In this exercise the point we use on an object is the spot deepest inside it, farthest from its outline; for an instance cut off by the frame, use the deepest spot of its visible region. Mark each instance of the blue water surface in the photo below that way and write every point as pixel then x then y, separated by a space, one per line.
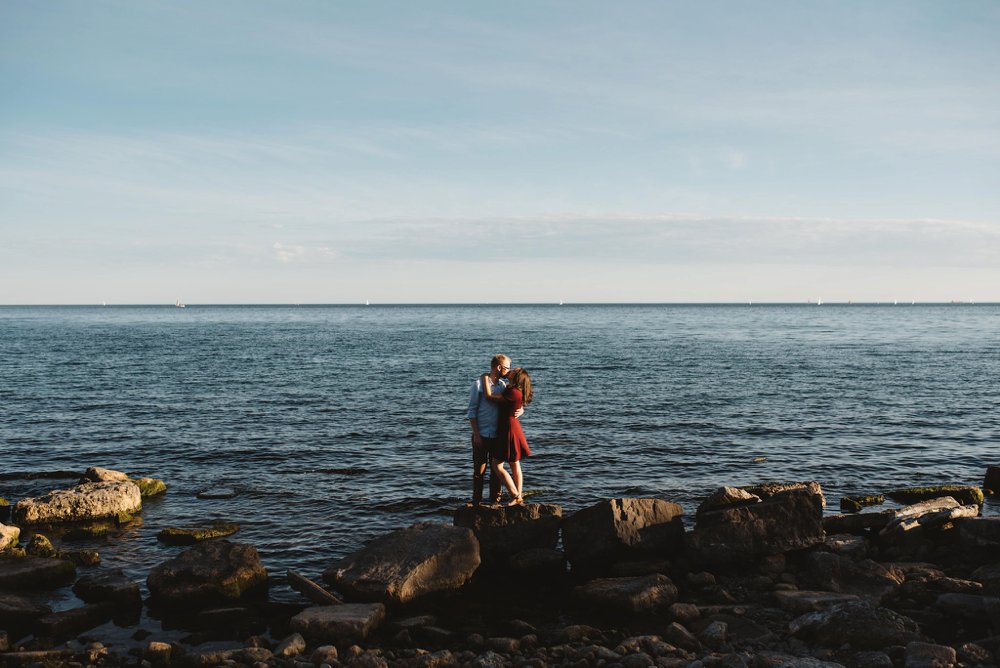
pixel 336 424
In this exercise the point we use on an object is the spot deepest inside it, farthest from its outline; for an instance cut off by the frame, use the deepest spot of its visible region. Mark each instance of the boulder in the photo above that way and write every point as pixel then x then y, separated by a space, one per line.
pixel 109 585
pixel 208 573
pixel 9 536
pixel 970 606
pixel 724 497
pixel 927 655
pixel 630 595
pixel 800 602
pixel 989 577
pixel 979 531
pixel 767 490
pixel 622 529
pixel 859 623
pixel 789 520
pixel 335 624
pixel 837 573
pixel 991 483
pixel 911 522
pixel 68 623
pixel 858 523
pixel 40 546
pixel 98 474
pixel 35 573
pixel 846 544
pixel 17 611
pixel 503 531
pixel 88 501
pixel 538 562
pixel 408 563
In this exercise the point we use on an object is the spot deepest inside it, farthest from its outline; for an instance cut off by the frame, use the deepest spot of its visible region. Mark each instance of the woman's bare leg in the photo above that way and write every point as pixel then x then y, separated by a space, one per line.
pixel 501 473
pixel 515 471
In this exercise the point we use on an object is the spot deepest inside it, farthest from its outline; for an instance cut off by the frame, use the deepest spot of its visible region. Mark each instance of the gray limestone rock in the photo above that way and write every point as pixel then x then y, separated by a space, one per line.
pixel 408 563
pixel 724 497
pixel 35 573
pixel 859 623
pixel 801 602
pixel 979 531
pixel 98 474
pixel 9 536
pixel 837 573
pixel 338 623
pixel 637 594
pixel 927 655
pixel 88 501
pixel 621 529
pixel 785 521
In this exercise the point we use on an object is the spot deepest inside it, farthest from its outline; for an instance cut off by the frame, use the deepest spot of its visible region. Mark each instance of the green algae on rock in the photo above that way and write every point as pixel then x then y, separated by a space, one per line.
pixel 854 504
pixel 965 495
pixel 191 535
pixel 150 486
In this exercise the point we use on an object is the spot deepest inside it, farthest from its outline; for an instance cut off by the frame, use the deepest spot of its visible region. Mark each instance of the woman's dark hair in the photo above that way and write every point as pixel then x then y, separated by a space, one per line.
pixel 520 379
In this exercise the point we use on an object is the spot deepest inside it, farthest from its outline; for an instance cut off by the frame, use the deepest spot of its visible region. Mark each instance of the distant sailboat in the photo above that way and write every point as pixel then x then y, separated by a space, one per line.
pixel 178 304
pixel 367 303
pixel 819 302
pixel 560 302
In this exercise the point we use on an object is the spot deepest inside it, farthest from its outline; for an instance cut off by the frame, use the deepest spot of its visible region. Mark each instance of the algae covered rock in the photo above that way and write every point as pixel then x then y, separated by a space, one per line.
pixel 965 495
pixel 150 486
pixel 854 504
pixel 192 535
pixel 212 572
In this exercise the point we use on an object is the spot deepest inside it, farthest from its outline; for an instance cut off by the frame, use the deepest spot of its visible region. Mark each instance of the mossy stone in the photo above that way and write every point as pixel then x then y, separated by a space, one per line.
pixel 966 495
pixel 4 502
pixel 82 557
pixel 88 531
pixel 854 504
pixel 150 486
pixel 191 535
pixel 40 546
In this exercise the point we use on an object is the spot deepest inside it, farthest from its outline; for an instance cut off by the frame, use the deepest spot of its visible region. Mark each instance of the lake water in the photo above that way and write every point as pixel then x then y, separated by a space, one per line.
pixel 336 424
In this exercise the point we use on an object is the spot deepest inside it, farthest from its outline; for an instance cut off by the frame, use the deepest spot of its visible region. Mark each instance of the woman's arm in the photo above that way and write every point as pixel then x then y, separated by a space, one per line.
pixel 488 389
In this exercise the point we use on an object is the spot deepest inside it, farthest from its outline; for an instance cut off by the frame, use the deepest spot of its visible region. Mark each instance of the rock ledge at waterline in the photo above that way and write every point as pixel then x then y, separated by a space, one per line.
pixel 762 579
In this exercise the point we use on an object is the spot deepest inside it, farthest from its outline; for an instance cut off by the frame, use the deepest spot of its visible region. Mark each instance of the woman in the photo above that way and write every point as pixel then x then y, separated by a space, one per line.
pixel 511 445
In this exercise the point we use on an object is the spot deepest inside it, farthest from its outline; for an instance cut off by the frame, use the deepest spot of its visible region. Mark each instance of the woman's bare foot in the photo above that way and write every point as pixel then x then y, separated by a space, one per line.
pixel 517 501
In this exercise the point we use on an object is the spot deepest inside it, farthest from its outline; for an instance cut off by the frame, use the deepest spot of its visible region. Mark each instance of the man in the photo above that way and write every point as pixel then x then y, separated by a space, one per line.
pixel 483 417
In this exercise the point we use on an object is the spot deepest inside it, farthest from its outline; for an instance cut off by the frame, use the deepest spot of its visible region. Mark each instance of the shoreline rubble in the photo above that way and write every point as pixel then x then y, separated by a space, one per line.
pixel 761 580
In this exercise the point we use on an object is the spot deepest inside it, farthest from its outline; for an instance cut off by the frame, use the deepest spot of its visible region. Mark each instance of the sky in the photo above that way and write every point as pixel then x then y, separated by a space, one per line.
pixel 485 152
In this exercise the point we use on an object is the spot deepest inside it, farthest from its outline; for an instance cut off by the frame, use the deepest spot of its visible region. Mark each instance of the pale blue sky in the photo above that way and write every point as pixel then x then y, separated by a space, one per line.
pixel 334 152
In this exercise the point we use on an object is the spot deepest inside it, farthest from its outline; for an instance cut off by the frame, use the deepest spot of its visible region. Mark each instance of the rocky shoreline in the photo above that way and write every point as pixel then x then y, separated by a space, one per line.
pixel 762 579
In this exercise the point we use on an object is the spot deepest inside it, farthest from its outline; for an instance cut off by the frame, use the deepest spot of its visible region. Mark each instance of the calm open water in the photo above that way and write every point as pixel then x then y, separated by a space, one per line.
pixel 339 423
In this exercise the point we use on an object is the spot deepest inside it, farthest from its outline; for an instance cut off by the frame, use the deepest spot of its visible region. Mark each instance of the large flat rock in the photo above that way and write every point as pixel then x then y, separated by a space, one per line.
pixel 789 520
pixel 408 563
pixel 88 501
pixel 333 624
pixel 503 531
pixel 631 595
pixel 35 573
pixel 9 536
pixel 622 529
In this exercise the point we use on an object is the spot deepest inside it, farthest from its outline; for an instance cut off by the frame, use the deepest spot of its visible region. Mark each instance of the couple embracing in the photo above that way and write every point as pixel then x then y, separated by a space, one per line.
pixel 497 401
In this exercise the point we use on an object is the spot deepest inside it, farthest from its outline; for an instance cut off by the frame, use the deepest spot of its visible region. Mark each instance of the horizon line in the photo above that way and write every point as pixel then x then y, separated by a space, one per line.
pixel 907 302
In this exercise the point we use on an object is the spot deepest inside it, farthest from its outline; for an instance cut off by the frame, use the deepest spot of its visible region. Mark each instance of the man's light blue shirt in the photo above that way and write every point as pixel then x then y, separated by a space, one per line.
pixel 484 411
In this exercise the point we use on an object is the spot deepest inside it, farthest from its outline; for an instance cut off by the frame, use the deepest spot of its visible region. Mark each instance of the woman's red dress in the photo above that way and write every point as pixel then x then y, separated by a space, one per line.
pixel 511 443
